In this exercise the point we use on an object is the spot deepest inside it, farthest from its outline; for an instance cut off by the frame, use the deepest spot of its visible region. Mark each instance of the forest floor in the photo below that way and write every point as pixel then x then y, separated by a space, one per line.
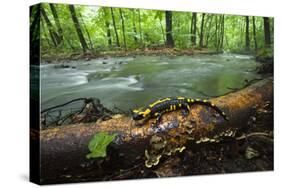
pixel 64 56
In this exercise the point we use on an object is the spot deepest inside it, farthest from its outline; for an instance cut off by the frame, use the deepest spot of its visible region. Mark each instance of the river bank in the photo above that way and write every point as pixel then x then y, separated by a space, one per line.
pixel 64 56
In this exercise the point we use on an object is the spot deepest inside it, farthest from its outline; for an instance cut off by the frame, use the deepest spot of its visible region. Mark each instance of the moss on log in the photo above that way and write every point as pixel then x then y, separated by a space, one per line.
pixel 64 149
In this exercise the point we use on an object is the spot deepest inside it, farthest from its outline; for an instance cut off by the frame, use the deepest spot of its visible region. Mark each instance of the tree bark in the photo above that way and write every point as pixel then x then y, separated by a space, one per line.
pixel 169 29
pixel 247 35
pixel 193 28
pixel 63 149
pixel 254 34
pixel 86 29
pixel 123 28
pixel 266 26
pixel 57 21
pixel 134 27
pixel 140 27
pixel 115 29
pixel 107 26
pixel 54 36
pixel 202 31
pixel 209 30
pixel 78 28
pixel 45 34
pixel 220 33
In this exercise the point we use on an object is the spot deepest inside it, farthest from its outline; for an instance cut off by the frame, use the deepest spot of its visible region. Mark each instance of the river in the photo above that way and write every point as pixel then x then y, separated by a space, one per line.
pixel 129 82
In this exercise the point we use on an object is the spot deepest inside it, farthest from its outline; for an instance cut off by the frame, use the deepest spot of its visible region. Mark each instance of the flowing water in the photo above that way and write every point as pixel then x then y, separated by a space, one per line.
pixel 130 82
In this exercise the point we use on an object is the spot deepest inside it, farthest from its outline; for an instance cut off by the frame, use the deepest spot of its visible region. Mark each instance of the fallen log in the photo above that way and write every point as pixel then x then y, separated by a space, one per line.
pixel 63 149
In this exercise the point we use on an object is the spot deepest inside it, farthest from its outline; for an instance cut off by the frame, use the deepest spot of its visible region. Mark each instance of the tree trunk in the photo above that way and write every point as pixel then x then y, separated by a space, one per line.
pixel 220 36
pixel 202 31
pixel 193 28
pixel 123 28
pixel 78 28
pixel 209 30
pixel 134 27
pixel 247 35
pixel 52 32
pixel 266 26
pixel 140 26
pixel 86 29
pixel 57 21
pixel 115 29
pixel 254 33
pixel 216 33
pixel 162 30
pixel 107 26
pixel 108 33
pixel 63 149
pixel 45 34
pixel 169 31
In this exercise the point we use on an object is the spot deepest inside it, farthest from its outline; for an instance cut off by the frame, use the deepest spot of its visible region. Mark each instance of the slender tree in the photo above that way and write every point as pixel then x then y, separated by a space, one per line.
pixel 266 26
pixel 193 28
pixel 107 26
pixel 140 29
pixel 169 35
pixel 247 35
pixel 78 28
pixel 134 26
pixel 222 33
pixel 114 27
pixel 45 34
pixel 208 30
pixel 254 33
pixel 123 28
pixel 86 29
pixel 202 31
pixel 53 34
pixel 57 22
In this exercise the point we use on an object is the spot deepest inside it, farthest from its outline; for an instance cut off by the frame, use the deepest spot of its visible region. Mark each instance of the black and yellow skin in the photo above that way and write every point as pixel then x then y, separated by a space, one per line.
pixel 159 107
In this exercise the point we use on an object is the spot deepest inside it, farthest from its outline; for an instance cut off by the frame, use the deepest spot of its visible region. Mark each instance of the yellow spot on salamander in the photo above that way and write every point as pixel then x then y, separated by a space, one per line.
pixel 188 100
pixel 175 107
pixel 212 104
pixel 191 100
pixel 181 98
pixel 135 111
pixel 171 107
pixel 198 100
pixel 205 101
pixel 159 101
pixel 180 105
pixel 146 112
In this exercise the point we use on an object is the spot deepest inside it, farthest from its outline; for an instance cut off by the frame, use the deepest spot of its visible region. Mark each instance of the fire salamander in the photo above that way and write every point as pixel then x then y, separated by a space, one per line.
pixel 159 107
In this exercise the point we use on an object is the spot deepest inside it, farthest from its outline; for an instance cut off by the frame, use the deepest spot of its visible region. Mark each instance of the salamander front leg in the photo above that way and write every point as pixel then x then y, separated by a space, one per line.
pixel 185 111
pixel 157 120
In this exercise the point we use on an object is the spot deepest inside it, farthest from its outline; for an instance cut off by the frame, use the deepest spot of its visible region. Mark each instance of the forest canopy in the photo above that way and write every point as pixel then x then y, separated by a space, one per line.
pixel 90 29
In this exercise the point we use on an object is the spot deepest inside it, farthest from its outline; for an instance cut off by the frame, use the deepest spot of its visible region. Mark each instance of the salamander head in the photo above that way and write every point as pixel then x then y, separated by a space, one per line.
pixel 140 114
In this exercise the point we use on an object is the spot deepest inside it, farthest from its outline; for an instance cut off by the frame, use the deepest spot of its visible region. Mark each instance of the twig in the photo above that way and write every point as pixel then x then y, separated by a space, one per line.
pixel 53 107
pixel 245 136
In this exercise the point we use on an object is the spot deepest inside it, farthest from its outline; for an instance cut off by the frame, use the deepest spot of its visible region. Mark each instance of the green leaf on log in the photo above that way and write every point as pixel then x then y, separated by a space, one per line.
pixel 99 143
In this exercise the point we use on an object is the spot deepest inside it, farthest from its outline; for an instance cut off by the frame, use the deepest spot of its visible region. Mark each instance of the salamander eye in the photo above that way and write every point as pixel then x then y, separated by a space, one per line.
pixel 137 116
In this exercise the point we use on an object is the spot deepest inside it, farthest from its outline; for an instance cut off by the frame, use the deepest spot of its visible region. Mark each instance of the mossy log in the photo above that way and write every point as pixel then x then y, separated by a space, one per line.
pixel 64 149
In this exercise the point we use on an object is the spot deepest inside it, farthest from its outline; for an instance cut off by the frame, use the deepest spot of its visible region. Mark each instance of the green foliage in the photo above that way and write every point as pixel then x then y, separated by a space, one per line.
pixel 98 144
pixel 265 55
pixel 146 28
